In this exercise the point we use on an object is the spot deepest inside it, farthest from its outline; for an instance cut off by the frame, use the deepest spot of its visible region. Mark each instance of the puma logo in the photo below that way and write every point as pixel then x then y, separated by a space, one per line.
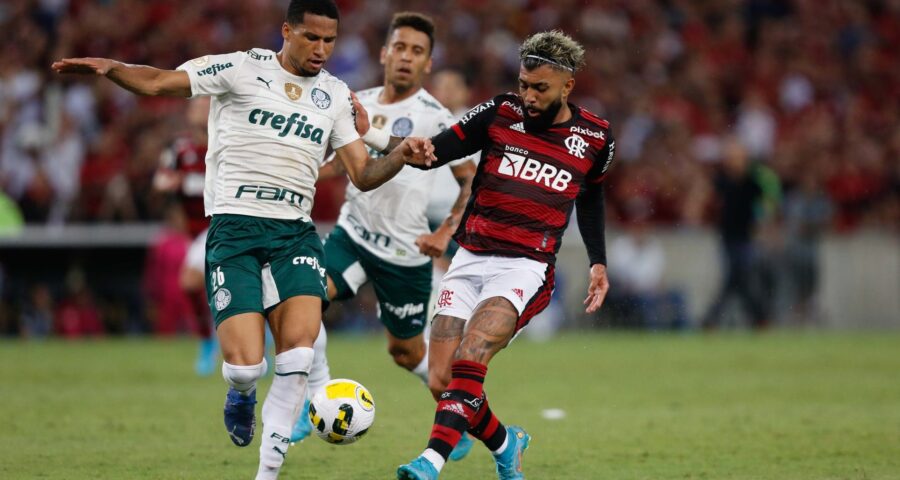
pixel 266 82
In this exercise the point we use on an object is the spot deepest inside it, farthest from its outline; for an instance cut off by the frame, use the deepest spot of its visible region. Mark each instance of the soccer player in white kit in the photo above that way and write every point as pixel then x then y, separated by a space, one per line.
pixel 272 117
pixel 383 236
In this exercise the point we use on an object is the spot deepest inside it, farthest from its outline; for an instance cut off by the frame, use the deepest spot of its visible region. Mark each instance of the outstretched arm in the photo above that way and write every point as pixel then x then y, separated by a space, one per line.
pixel 435 244
pixel 589 208
pixel 367 173
pixel 139 79
pixel 380 140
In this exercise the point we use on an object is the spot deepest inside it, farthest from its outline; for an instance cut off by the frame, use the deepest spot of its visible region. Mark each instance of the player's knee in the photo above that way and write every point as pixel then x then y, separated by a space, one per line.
pixel 243 377
pixel 406 357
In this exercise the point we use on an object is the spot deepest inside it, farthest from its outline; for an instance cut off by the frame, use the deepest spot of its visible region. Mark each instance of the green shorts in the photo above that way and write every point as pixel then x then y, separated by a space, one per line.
pixel 403 292
pixel 254 263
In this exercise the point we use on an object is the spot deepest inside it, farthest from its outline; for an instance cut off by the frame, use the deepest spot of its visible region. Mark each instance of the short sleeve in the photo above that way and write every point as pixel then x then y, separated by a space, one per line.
pixel 213 74
pixel 445 120
pixel 344 130
pixel 466 137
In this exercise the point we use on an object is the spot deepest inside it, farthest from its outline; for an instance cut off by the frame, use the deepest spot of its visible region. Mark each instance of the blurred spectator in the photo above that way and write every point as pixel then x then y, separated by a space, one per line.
pixel 807 212
pixel 77 314
pixel 740 195
pixel 169 307
pixel 673 75
pixel 637 263
pixel 37 314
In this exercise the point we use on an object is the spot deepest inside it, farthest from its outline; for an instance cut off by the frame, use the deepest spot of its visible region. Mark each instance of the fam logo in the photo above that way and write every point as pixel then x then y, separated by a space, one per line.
pixel 524 168
pixel 293 91
pixel 284 125
pixel 321 98
pixel 270 194
pixel 258 56
pixel 402 127
pixel 576 145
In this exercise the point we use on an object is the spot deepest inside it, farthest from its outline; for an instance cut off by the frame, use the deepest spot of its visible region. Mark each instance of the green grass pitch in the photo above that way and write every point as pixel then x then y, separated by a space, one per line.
pixel 771 406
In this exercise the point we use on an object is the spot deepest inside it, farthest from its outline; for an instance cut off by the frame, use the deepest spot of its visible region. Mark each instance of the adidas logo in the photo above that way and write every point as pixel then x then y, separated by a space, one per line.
pixel 519 127
pixel 454 407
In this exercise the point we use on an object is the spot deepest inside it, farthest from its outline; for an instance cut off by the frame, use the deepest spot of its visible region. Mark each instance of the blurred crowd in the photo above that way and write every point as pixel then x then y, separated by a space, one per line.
pixel 809 87
pixel 805 93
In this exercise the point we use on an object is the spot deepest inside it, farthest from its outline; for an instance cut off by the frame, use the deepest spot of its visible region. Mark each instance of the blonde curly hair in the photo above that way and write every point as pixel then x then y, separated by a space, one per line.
pixel 553 48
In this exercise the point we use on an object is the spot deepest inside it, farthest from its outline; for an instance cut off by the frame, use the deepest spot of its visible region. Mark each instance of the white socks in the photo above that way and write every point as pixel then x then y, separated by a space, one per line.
pixel 281 408
pixel 421 370
pixel 320 374
pixel 435 458
pixel 243 377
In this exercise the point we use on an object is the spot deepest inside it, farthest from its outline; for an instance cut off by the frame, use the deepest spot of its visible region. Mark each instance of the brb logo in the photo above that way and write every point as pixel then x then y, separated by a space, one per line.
pixel 519 166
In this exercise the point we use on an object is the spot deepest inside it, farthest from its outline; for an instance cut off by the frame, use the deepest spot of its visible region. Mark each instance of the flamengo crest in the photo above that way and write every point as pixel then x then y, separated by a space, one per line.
pixel 576 145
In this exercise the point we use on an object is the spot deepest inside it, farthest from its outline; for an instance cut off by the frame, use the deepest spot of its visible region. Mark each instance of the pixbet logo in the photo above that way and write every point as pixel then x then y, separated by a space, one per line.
pixel 518 166
pixel 587 132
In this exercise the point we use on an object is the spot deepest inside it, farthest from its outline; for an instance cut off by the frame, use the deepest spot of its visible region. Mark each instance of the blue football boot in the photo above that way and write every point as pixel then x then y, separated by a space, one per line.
pixel 418 469
pixel 206 357
pixel 303 427
pixel 509 463
pixel 240 416
pixel 462 448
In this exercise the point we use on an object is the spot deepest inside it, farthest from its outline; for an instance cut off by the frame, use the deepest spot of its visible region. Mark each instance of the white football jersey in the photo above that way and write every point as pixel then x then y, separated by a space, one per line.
pixel 268 132
pixel 387 220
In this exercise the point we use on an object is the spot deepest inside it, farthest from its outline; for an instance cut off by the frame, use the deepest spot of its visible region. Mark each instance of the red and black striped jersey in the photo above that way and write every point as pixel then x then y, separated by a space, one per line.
pixel 527 181
pixel 188 159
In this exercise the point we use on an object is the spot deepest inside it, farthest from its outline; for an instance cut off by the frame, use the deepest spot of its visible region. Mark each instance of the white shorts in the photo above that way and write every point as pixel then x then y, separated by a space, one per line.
pixel 196 254
pixel 473 278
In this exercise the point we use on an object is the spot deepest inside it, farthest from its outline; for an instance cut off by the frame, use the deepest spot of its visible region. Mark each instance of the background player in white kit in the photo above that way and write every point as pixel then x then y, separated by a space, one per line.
pixel 383 236
pixel 272 117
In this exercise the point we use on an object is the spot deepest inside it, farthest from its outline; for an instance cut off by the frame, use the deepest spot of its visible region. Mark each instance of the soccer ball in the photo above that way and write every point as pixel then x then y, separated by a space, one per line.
pixel 342 412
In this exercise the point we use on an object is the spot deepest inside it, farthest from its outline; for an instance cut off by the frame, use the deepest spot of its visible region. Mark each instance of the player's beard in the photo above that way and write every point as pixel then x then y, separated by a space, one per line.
pixel 545 119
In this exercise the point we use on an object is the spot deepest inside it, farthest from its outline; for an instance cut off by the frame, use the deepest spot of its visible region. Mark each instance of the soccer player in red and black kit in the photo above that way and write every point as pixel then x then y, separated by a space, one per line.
pixel 182 173
pixel 540 157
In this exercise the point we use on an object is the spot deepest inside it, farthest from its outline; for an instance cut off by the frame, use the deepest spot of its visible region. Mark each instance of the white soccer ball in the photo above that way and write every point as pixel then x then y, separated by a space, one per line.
pixel 342 412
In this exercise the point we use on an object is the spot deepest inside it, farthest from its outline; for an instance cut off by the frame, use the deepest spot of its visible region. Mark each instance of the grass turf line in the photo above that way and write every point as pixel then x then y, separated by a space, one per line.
pixel 779 405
